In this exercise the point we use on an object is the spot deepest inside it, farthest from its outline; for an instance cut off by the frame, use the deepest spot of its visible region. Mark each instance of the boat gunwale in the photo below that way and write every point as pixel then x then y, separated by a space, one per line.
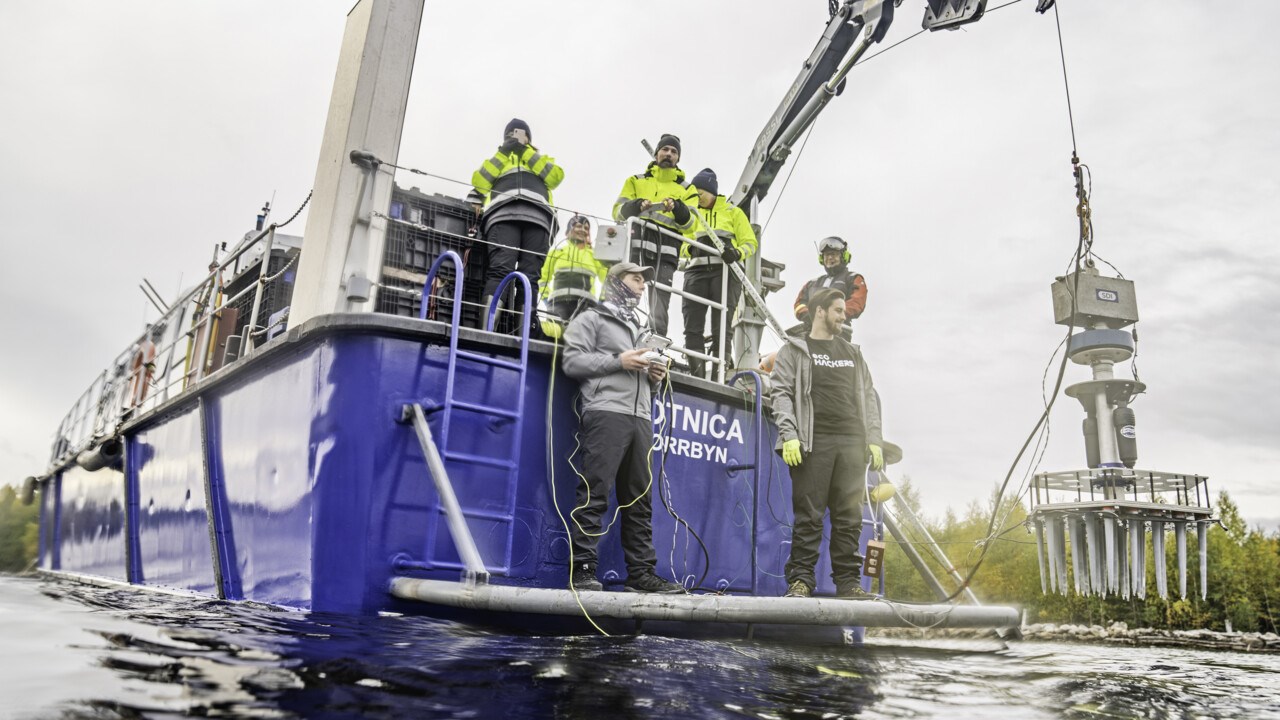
pixel 367 323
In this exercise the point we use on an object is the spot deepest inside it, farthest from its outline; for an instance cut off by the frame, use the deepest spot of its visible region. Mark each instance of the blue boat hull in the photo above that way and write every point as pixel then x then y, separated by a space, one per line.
pixel 288 479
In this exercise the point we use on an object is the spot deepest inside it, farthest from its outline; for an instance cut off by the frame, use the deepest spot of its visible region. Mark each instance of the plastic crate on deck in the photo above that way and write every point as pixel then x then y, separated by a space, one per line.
pixel 439 224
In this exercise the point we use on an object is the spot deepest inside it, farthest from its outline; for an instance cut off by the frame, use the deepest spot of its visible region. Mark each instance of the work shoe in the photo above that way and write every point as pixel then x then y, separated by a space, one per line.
pixel 799 588
pixel 583 578
pixel 650 583
pixel 853 592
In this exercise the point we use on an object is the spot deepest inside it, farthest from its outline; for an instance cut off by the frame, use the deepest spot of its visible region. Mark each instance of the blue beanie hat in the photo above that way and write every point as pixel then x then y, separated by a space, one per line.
pixel 517 123
pixel 706 180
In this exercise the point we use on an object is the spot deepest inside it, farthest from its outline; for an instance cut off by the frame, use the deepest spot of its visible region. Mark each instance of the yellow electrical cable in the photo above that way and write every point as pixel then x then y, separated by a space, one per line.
pixel 551 386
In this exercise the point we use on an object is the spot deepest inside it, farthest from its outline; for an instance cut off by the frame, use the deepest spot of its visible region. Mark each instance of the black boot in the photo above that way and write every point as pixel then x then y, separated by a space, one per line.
pixel 499 314
pixel 582 577
pixel 697 366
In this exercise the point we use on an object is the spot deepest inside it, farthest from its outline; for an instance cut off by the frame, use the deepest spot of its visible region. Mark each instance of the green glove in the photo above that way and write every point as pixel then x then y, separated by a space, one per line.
pixel 877 457
pixel 791 452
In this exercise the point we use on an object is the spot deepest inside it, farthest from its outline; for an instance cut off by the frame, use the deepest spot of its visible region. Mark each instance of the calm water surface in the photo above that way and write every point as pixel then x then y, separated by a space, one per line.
pixel 75 651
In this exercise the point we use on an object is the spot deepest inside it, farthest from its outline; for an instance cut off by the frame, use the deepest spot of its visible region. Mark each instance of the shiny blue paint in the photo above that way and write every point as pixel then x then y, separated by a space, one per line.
pixel 91 522
pixel 166 464
pixel 226 569
pixel 133 552
pixel 270 441
pixel 314 488
pixel 48 512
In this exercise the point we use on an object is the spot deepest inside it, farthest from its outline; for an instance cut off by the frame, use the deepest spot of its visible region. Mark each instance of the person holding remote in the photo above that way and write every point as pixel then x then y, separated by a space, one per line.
pixel 603 352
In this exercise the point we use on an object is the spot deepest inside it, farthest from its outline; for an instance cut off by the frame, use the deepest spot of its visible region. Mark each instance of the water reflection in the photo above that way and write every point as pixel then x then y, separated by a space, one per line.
pixel 82 651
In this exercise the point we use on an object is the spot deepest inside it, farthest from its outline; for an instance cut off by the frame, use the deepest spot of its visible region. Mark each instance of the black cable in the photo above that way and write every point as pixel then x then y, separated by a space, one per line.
pixel 665 485
pixel 869 58
pixel 1062 53
pixel 1044 416
pixel 298 211
pixel 782 191
pixel 988 11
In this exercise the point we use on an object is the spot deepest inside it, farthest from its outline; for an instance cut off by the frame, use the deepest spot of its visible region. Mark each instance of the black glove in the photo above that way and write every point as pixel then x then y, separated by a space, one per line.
pixel 680 212
pixel 730 253
pixel 631 208
pixel 512 145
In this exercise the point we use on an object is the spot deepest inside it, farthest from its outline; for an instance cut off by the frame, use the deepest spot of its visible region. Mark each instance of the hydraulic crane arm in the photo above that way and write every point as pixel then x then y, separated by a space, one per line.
pixel 855 27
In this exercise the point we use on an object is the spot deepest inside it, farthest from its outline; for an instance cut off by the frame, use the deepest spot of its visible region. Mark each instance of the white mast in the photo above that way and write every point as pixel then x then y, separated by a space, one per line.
pixel 343 245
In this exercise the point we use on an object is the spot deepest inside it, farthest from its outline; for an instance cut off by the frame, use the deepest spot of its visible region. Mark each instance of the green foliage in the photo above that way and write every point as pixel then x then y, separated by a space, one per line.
pixel 19 531
pixel 1243 579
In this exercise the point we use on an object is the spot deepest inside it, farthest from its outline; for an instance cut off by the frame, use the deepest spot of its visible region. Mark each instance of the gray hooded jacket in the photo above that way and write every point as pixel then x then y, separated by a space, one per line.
pixel 592 343
pixel 793 404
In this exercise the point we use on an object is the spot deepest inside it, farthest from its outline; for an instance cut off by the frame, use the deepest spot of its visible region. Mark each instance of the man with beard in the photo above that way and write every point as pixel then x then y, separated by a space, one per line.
pixel 657 196
pixel 616 382
pixel 828 417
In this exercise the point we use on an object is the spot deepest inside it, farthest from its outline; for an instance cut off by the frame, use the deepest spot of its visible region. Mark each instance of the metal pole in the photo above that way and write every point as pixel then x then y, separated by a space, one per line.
pixel 458 529
pixel 722 343
pixel 247 343
pixel 910 551
pixel 935 550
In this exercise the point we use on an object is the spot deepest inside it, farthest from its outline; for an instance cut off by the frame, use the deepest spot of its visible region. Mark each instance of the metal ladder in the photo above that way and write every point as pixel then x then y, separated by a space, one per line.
pixel 441 456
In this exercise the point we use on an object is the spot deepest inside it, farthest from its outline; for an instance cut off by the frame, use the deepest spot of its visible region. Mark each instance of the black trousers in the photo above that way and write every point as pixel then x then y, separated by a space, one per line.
pixel 832 477
pixel 505 255
pixel 664 264
pixel 615 456
pixel 704 281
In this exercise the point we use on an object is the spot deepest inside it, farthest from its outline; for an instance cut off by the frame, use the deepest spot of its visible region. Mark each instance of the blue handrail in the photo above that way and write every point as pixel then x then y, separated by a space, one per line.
pixel 457 285
pixel 525 319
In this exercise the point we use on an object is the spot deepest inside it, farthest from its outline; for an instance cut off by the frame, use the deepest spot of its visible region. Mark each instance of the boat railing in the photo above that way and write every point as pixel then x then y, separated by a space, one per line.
pixel 719 362
pixel 147 373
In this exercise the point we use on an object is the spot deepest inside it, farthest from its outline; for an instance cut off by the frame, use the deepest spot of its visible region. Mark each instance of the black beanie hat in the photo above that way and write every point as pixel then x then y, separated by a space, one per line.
pixel 706 180
pixel 668 139
pixel 517 123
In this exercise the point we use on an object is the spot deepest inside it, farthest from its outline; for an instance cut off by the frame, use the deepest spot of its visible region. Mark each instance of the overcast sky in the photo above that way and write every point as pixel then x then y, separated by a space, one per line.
pixel 138 134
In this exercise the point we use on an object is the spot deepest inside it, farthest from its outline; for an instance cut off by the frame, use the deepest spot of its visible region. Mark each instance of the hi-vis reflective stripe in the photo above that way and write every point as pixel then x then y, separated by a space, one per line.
pixel 534 160
pixel 652 247
pixel 655 213
pixel 704 260
pixel 724 235
pixel 545 171
pixel 500 197
pixel 484 172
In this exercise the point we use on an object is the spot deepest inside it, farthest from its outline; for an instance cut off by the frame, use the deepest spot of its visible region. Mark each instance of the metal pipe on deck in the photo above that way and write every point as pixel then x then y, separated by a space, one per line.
pixel 702 608
pixel 459 532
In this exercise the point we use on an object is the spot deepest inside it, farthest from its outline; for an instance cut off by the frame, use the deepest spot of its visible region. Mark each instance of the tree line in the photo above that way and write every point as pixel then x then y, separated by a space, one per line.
pixel 19 531
pixel 1243 572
